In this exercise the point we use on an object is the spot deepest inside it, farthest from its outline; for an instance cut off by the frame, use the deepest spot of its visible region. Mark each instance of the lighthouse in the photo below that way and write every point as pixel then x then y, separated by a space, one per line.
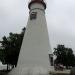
pixel 33 58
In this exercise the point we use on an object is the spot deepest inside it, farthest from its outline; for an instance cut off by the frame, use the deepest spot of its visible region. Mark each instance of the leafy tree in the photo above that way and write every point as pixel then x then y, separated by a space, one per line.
pixel 64 56
pixel 11 47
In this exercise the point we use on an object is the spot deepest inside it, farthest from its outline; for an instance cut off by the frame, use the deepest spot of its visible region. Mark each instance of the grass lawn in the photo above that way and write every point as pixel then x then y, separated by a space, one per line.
pixel 65 72
pixel 3 72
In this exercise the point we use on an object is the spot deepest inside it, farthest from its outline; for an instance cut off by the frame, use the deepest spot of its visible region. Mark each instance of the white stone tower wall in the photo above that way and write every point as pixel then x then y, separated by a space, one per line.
pixel 33 58
pixel 35 46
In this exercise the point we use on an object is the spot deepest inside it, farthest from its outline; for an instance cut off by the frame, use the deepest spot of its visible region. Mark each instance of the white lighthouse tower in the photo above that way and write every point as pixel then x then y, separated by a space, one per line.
pixel 33 57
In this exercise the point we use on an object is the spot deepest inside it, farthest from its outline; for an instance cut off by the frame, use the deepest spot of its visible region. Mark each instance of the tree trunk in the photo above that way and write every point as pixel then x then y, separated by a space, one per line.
pixel 7 67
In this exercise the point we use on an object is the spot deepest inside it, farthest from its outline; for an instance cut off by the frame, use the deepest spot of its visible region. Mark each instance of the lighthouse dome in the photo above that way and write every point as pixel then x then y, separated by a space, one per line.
pixel 37 1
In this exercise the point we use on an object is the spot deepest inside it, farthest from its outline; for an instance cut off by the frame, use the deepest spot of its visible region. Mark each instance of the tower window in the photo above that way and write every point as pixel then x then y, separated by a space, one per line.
pixel 33 15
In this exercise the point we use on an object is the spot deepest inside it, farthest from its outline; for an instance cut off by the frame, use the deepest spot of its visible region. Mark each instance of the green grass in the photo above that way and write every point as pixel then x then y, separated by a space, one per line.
pixel 3 72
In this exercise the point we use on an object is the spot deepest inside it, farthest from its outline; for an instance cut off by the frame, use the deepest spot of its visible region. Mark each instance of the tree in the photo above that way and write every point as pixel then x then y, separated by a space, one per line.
pixel 64 56
pixel 11 47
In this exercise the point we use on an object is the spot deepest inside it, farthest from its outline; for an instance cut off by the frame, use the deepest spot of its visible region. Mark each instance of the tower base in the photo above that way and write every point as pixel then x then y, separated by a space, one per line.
pixel 29 71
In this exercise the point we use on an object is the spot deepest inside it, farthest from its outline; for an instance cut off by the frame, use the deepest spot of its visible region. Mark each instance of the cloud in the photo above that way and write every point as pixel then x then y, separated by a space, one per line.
pixel 61 22
pixel 60 15
pixel 13 16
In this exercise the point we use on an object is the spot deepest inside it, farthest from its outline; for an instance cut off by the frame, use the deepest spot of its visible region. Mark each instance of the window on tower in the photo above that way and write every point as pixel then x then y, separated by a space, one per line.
pixel 33 15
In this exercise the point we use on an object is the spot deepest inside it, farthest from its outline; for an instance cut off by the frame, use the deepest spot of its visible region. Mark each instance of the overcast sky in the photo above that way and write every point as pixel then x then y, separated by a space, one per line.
pixel 60 15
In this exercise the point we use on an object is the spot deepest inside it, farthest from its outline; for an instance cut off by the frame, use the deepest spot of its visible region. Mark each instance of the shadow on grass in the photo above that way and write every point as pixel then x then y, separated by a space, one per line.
pixel 4 72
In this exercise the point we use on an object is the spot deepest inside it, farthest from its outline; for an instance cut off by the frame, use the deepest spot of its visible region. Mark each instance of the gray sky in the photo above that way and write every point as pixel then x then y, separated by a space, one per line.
pixel 60 15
